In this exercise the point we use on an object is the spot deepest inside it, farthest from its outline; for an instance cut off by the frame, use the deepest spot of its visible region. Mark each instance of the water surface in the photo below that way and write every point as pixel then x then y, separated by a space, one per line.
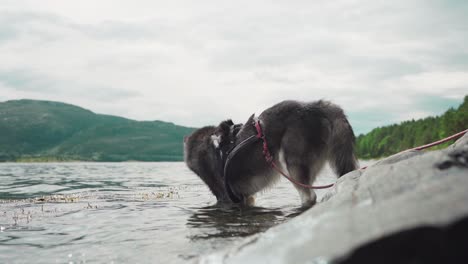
pixel 124 213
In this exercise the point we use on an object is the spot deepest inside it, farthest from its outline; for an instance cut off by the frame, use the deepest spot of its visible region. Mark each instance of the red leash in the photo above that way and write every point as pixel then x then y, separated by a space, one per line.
pixel 457 135
pixel 269 157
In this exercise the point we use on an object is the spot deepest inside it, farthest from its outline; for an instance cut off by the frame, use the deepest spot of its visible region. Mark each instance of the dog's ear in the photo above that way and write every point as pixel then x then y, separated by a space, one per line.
pixel 222 133
pixel 229 122
pixel 224 129
pixel 225 126
pixel 236 128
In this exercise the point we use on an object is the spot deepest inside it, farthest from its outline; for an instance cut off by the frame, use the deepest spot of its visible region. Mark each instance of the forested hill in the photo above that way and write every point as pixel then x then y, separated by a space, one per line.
pixel 388 140
pixel 43 130
pixel 32 130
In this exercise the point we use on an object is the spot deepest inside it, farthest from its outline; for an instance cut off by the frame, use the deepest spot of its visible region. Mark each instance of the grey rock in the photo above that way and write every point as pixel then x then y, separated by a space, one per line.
pixel 404 191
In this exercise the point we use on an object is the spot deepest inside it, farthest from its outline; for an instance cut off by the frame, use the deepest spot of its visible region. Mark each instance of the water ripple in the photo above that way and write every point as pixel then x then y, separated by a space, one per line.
pixel 123 212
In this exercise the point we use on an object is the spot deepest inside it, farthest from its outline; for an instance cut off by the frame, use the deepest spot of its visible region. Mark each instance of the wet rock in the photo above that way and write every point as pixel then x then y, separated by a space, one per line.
pixel 403 209
pixel 425 244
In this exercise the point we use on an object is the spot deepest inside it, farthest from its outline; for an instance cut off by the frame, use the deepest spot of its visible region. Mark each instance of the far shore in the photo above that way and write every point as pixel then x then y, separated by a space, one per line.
pixel 41 160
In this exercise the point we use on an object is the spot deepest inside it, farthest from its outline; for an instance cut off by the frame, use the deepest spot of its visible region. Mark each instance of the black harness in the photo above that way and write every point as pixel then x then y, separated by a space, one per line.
pixel 230 154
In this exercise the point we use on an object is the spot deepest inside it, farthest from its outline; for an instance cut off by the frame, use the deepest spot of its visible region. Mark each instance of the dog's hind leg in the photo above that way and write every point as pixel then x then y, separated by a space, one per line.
pixel 301 173
pixel 306 174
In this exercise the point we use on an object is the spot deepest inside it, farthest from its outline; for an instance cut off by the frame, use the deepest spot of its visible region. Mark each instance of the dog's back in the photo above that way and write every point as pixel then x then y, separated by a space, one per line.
pixel 311 131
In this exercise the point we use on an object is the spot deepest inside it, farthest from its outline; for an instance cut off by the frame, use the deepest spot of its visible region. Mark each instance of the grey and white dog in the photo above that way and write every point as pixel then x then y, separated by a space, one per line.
pixel 301 138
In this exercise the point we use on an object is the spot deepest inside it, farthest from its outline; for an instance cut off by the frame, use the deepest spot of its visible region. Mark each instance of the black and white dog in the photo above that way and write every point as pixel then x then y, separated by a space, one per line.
pixel 301 138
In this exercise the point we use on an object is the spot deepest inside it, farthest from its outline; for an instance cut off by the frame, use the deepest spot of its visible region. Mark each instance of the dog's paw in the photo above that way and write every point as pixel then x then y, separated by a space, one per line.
pixel 250 201
pixel 308 204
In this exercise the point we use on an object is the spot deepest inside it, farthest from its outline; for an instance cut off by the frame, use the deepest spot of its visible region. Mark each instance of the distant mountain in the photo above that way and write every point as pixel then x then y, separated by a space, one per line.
pixel 388 140
pixel 32 130
pixel 43 130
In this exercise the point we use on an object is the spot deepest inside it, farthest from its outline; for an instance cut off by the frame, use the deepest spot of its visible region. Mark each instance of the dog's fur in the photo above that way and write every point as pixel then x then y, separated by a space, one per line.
pixel 301 137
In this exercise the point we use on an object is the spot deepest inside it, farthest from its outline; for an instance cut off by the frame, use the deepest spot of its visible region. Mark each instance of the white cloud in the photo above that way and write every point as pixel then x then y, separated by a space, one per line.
pixel 198 62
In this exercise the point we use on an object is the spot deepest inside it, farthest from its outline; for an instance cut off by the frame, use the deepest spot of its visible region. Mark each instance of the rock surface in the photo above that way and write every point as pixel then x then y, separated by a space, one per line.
pixel 414 190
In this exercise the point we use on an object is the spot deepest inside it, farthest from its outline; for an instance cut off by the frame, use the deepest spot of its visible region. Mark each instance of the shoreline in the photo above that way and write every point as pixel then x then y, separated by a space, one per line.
pixel 89 161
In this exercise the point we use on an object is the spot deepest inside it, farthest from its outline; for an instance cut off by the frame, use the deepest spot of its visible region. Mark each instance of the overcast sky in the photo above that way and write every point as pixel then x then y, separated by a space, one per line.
pixel 198 62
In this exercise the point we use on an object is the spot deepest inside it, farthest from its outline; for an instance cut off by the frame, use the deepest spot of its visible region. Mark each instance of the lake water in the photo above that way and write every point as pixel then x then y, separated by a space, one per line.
pixel 125 213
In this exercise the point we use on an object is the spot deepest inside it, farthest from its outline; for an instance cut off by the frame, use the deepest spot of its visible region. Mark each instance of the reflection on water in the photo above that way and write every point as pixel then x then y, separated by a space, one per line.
pixel 225 221
pixel 124 212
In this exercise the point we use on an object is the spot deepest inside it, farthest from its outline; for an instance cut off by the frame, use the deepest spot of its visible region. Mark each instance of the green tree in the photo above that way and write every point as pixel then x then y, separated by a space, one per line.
pixel 388 140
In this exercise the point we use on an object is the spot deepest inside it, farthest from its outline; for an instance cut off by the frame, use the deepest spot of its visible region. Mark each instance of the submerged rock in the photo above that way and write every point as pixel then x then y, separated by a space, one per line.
pixel 408 208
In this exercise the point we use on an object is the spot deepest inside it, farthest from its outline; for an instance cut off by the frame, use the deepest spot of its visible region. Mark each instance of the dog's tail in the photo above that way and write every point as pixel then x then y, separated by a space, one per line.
pixel 342 145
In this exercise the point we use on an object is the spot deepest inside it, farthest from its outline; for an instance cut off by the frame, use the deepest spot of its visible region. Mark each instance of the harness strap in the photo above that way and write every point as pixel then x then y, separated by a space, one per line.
pixel 236 149
pixel 232 195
